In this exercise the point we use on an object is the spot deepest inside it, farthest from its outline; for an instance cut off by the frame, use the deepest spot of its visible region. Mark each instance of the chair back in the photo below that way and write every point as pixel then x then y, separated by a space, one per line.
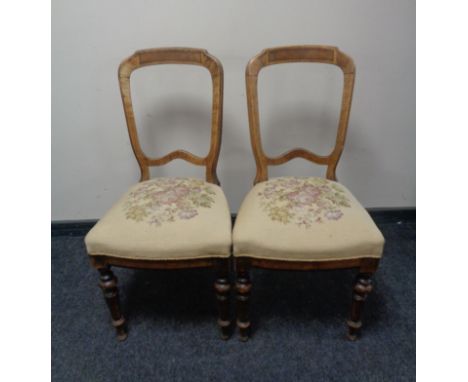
pixel 305 53
pixel 187 56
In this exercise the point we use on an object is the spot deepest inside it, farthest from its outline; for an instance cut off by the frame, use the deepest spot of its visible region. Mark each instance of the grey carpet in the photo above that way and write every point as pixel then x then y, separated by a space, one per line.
pixel 298 320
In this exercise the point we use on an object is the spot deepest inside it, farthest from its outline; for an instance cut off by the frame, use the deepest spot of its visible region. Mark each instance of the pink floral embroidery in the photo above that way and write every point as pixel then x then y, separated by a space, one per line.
pixel 303 201
pixel 334 215
pixel 167 199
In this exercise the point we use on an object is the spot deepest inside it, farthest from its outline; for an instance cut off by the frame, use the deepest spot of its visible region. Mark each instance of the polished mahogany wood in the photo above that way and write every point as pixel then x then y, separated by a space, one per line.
pixel 366 263
pixel 222 284
pixel 222 288
pixel 362 287
pixel 367 266
pixel 243 287
pixel 108 284
pixel 99 261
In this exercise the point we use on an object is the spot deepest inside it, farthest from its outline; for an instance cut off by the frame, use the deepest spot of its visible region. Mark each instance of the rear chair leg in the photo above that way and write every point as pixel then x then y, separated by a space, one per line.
pixel 243 286
pixel 222 288
pixel 108 284
pixel 362 287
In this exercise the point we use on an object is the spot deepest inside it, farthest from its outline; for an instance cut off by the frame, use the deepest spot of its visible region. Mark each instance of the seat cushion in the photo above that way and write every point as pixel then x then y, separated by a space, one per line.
pixel 165 219
pixel 304 219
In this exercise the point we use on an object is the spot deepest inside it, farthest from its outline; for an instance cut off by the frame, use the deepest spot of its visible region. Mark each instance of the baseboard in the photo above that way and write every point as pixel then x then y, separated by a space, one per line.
pixel 380 216
pixel 392 215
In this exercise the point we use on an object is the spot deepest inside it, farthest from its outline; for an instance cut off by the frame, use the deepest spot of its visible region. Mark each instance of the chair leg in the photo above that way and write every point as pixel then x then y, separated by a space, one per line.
pixel 243 286
pixel 362 287
pixel 108 284
pixel 222 288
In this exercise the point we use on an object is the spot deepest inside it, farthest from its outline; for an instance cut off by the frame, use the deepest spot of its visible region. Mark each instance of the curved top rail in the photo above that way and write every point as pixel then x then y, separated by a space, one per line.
pixel 300 53
pixel 158 56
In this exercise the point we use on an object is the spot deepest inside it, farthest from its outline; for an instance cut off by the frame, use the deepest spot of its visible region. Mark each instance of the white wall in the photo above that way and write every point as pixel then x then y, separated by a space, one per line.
pixel 92 161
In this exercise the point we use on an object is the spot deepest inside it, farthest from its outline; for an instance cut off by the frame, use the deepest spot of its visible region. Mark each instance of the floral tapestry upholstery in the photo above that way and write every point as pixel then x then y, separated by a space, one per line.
pixel 165 219
pixel 304 219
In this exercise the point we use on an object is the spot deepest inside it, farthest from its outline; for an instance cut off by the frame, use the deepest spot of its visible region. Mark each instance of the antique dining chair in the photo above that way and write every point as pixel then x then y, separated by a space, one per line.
pixel 167 223
pixel 309 223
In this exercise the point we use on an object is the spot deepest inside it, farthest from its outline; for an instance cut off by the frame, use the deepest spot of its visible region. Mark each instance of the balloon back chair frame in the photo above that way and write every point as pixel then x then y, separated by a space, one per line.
pixel 366 266
pixel 108 282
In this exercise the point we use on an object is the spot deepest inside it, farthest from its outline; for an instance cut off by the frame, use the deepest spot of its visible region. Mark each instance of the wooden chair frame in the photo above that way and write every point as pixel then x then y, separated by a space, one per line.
pixel 108 282
pixel 366 266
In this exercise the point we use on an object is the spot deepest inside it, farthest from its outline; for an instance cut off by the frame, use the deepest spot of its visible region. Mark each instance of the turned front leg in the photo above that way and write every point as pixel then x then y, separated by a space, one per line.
pixel 361 288
pixel 222 288
pixel 108 284
pixel 243 286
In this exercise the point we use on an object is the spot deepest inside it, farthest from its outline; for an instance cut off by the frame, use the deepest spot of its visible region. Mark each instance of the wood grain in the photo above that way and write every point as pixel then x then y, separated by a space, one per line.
pixel 361 288
pixel 100 261
pixel 222 288
pixel 368 264
pixel 108 284
pixel 306 53
pixel 187 56
pixel 243 287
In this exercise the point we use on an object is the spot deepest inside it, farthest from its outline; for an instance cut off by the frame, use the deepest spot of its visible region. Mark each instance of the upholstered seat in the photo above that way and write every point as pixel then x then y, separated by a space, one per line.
pixel 165 219
pixel 301 219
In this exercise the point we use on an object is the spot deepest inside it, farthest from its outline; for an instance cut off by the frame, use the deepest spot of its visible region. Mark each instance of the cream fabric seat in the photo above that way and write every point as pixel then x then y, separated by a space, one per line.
pixel 304 219
pixel 165 219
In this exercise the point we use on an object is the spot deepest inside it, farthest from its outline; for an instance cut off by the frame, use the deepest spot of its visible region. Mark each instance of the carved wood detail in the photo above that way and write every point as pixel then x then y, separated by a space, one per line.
pixel 108 284
pixel 362 287
pixel 243 287
pixel 222 288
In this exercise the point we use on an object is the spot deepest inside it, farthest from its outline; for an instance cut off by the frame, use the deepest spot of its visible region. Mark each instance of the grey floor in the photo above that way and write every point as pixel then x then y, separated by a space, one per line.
pixel 299 321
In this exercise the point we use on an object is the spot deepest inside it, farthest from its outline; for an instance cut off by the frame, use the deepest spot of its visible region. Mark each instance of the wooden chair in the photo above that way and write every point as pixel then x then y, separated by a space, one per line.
pixel 167 223
pixel 302 223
